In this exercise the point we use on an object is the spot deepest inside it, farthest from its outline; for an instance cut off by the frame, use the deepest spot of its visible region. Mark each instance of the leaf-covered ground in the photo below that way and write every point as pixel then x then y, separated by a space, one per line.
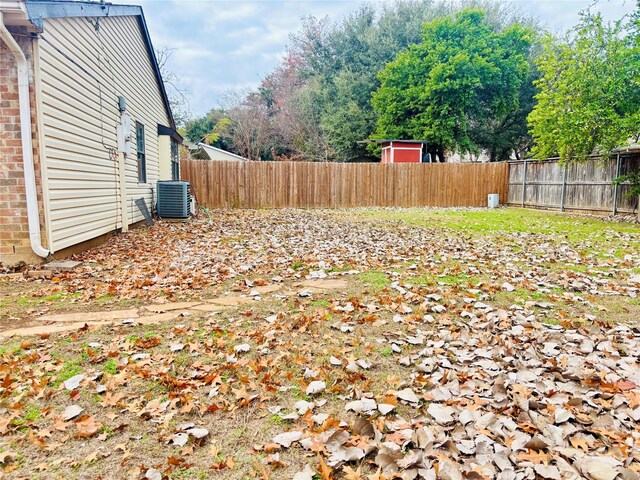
pixel 458 344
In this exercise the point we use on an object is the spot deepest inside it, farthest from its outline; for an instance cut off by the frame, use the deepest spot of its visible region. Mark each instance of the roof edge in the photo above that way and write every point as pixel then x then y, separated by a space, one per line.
pixel 40 10
pixel 374 140
pixel 205 146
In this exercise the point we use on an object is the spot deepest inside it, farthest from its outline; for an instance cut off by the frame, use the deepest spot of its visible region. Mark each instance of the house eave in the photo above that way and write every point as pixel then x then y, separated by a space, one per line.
pixel 171 132
pixel 40 10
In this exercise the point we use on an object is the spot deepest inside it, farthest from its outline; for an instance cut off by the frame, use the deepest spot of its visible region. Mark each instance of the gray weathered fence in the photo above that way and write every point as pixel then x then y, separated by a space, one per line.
pixel 586 186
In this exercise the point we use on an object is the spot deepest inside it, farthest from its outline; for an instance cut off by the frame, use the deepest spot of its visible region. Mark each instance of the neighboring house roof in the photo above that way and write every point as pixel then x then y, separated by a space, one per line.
pixel 207 152
pixel 40 10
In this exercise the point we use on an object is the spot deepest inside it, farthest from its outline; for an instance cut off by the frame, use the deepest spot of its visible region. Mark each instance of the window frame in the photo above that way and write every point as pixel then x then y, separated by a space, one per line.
pixel 175 159
pixel 141 152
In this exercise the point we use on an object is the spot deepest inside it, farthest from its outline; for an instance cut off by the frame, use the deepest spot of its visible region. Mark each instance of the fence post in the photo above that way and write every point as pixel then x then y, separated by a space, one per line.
pixel 615 186
pixel 564 186
pixel 524 181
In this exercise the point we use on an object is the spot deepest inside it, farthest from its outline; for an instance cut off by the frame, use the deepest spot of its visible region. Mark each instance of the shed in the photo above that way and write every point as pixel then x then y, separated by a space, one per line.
pixel 403 151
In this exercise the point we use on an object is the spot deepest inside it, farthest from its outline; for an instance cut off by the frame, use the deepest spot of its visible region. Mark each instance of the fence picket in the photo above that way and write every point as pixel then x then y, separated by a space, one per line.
pixel 338 185
pixel 586 186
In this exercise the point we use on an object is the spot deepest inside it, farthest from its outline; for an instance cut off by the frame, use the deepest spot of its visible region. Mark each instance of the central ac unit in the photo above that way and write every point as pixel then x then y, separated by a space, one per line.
pixel 174 199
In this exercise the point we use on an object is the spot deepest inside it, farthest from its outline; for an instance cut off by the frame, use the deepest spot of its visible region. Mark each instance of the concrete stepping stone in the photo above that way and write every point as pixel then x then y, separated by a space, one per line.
pixel 157 318
pixel 231 301
pixel 62 265
pixel 44 329
pixel 11 276
pixel 267 289
pixel 65 327
pixel 168 307
pixel 326 284
pixel 90 316
pixel 210 307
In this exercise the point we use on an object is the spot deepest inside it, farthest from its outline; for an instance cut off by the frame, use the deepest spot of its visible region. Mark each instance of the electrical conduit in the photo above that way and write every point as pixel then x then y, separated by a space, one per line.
pixel 27 148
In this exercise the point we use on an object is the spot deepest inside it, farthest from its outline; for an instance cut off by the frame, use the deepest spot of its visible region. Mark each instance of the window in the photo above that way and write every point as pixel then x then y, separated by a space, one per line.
pixel 175 160
pixel 142 159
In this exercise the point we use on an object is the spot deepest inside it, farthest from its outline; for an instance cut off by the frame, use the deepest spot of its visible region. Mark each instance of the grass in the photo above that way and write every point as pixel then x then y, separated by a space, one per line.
pixel 453 279
pixel 277 420
pixel 32 413
pixel 68 370
pixel 504 220
pixel 34 301
pixel 319 303
pixel 386 351
pixel 518 296
pixel 22 301
pixel 375 278
pixel 110 367
pixel 189 473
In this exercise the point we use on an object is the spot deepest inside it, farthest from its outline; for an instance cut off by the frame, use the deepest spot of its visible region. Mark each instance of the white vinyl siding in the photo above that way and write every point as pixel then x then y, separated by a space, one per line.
pixel 79 116
pixel 165 157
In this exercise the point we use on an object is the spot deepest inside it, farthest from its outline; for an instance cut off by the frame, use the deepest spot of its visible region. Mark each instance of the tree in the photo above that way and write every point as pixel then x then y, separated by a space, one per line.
pixel 589 99
pixel 198 128
pixel 212 128
pixel 466 76
pixel 282 94
pixel 178 97
pixel 341 62
pixel 506 135
pixel 318 100
pixel 250 129
pixel 219 130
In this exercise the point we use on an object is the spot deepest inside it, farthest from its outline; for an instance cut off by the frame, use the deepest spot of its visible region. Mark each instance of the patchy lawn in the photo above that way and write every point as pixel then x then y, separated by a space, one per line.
pixel 460 343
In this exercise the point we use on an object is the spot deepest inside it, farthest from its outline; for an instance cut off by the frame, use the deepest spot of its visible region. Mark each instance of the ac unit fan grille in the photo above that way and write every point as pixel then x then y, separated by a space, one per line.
pixel 174 199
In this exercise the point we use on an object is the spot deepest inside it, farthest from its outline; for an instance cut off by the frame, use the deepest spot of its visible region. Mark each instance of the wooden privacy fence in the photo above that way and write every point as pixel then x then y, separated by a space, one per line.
pixel 335 185
pixel 586 186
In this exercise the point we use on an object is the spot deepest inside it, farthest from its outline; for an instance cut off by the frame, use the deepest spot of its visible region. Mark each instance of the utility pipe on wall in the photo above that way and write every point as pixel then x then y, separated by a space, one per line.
pixel 33 216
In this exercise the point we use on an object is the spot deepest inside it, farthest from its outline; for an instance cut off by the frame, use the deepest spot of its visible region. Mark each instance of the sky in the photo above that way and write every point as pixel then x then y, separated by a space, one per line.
pixel 219 46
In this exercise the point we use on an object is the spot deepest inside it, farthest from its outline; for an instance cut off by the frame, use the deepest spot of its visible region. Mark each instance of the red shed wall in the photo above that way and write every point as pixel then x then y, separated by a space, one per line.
pixel 407 152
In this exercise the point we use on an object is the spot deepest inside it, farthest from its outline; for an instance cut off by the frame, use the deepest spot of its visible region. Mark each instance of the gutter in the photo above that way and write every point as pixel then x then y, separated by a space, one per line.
pixel 33 216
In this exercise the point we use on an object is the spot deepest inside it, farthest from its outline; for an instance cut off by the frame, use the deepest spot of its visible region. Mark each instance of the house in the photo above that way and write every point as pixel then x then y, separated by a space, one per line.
pixel 402 151
pixel 202 151
pixel 85 125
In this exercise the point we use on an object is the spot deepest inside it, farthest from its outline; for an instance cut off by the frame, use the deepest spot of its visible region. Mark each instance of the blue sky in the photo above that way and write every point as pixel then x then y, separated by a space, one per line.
pixel 223 45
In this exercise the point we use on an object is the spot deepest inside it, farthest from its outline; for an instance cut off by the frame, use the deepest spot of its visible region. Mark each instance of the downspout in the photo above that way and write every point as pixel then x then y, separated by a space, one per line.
pixel 27 147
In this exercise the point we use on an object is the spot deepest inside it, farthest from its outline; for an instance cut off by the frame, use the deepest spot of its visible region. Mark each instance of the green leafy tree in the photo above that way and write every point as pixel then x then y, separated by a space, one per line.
pixel 218 131
pixel 633 178
pixel 196 129
pixel 343 61
pixel 212 128
pixel 589 99
pixel 465 74
pixel 507 135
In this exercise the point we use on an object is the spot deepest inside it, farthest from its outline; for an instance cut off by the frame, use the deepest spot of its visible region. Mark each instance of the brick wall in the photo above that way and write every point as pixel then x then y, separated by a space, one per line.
pixel 14 230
